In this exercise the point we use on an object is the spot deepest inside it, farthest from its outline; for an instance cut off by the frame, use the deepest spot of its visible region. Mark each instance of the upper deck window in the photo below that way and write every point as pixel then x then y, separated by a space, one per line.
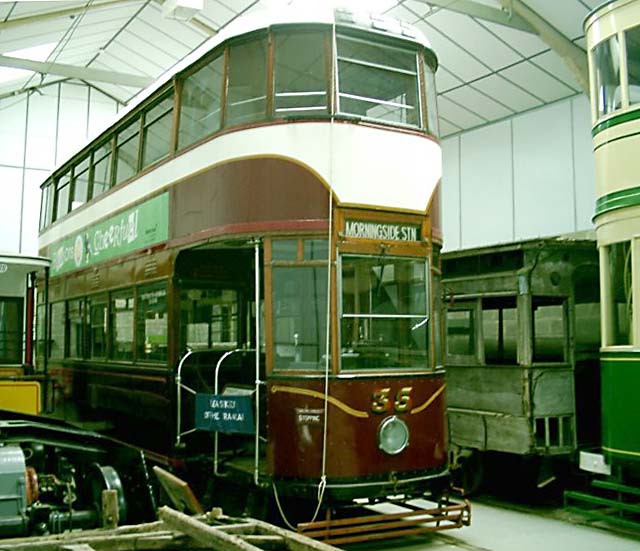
pixel 632 41
pixel 157 131
pixel 200 103
pixel 431 96
pixel 102 169
pixel 247 82
pixel 127 152
pixel 607 69
pixel 300 79
pixel 80 183
pixel 63 188
pixel 377 81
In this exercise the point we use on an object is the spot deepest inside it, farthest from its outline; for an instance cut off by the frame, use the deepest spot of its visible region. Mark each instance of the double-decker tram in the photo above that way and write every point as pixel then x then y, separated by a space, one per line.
pixel 245 266
pixel 21 387
pixel 613 35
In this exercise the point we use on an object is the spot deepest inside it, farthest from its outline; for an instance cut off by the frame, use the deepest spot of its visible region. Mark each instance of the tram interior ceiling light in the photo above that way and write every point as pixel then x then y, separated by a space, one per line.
pixel 182 10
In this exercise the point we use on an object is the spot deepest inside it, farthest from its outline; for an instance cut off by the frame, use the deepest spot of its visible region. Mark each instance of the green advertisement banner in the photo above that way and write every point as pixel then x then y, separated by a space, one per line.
pixel 135 228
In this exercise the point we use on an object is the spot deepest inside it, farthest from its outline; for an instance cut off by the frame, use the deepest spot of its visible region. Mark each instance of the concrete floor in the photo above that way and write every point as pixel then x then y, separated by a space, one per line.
pixel 496 528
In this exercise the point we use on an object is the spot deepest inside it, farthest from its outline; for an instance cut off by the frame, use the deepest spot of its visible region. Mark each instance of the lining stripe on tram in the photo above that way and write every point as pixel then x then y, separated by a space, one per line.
pixel 315 394
pixel 623 452
pixel 429 401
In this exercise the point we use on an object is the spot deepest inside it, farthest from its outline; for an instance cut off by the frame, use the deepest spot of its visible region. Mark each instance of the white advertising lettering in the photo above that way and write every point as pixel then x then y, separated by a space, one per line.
pixel 374 230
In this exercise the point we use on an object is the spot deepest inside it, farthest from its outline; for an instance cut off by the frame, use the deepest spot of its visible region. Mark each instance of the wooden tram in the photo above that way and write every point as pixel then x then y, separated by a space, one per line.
pixel 21 387
pixel 252 249
pixel 613 38
pixel 522 337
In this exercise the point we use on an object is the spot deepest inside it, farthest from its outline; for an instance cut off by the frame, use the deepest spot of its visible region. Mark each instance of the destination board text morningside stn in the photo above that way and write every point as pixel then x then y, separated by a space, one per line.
pixel 375 230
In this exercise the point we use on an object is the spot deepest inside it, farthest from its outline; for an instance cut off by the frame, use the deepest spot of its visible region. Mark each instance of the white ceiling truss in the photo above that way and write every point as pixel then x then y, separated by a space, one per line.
pixel 497 58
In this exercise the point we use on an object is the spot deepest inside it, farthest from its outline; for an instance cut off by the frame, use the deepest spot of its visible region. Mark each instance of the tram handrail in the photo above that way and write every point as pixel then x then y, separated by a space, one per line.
pixel 215 391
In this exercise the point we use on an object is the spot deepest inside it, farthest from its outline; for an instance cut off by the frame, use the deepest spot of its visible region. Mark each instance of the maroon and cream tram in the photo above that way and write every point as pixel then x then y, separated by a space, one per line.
pixel 262 227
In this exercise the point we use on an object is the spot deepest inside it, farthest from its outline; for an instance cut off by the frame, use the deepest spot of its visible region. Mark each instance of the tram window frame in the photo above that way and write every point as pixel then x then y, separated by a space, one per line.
pixel 238 70
pixel 632 53
pixel 11 340
pixel 501 356
pixel 122 323
pixel 211 62
pixel 97 349
pixel 101 155
pixel 472 355
pixel 292 262
pixel 618 276
pixel 76 332
pixel 148 297
pixel 41 333
pixel 365 353
pixel 127 139
pixel 80 169
pixel 431 98
pixel 154 115
pixel 375 67
pixel 62 195
pixel 280 38
pixel 541 305
pixel 57 339
pixel 46 204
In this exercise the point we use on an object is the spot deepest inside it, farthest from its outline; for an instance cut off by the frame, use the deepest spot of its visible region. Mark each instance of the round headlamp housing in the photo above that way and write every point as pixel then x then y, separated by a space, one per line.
pixel 393 435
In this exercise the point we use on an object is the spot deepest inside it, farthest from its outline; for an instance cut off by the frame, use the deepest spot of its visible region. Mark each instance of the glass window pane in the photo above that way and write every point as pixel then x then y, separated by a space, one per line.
pixel 40 333
pixel 200 102
pixel 80 183
pixel 209 318
pixel 152 323
pixel 284 249
pixel 377 81
pixel 157 132
pixel 299 317
pixel 632 39
pixel 11 330
pixel 75 310
pixel 56 347
pixel 300 80
pixel 385 313
pixel 46 205
pixel 621 292
pixel 62 196
pixel 127 152
pixel 607 64
pixel 102 169
pixel 97 308
pixel 247 83
pixel 316 249
pixel 122 325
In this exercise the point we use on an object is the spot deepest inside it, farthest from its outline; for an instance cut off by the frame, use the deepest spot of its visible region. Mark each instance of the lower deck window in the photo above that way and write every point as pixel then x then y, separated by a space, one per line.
pixel 549 330
pixel 385 315
pixel 620 294
pixel 11 330
pixel 500 330
pixel 209 318
pixel 122 325
pixel 151 323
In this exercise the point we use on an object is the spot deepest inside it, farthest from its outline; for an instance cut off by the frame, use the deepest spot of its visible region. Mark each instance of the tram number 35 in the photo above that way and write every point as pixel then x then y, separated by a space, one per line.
pixel 383 402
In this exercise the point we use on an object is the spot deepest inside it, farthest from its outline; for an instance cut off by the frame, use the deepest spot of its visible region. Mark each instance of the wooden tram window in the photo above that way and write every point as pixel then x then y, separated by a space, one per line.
pixel 246 100
pixel 76 328
pixel 122 325
pixel 80 183
pixel 152 322
pixel 102 171
pixel 156 138
pixel 63 188
pixel 201 103
pixel 300 82
pixel 97 307
pixel 209 318
pixel 461 332
pixel 500 330
pixel 11 321
pixel 549 329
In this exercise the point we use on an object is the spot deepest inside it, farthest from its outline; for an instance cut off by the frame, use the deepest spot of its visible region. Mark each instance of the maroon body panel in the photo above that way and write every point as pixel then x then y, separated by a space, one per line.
pixel 296 421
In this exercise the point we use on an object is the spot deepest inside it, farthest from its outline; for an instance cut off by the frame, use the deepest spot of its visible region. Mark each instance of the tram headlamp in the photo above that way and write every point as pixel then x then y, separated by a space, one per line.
pixel 393 435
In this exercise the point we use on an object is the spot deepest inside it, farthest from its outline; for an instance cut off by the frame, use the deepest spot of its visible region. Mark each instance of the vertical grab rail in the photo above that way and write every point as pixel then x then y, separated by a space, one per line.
pixel 179 387
pixel 256 254
pixel 215 391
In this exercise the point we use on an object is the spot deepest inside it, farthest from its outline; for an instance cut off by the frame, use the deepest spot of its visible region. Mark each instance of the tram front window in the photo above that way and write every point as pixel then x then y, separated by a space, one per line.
pixel 209 318
pixel 385 313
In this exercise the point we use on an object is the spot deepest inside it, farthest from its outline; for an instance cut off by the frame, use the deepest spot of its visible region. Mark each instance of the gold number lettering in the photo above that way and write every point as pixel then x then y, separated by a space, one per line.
pixel 403 400
pixel 380 401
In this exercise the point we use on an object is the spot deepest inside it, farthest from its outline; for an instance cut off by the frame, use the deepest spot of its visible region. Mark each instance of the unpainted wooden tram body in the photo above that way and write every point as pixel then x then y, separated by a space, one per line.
pixel 282 182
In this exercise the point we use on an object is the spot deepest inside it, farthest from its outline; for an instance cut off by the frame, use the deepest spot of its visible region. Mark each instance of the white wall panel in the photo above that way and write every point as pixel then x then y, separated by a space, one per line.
pixel 451 193
pixel 543 172
pixel 486 200
pixel 12 127
pixel 42 128
pixel 102 110
pixel 583 161
pixel 10 206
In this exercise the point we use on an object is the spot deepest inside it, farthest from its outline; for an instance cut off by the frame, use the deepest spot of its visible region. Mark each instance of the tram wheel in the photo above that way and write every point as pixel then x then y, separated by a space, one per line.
pixel 469 476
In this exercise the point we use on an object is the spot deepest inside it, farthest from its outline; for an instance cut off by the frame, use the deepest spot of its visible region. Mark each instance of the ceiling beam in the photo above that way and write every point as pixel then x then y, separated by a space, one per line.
pixel 482 11
pixel 57 14
pixel 73 71
pixel 574 56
